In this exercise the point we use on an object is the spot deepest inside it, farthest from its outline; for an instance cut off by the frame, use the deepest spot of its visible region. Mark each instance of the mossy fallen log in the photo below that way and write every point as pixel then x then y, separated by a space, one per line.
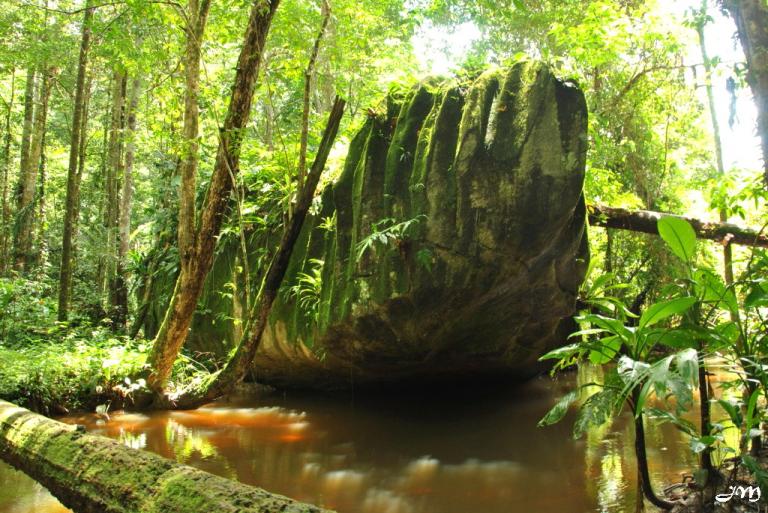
pixel 93 474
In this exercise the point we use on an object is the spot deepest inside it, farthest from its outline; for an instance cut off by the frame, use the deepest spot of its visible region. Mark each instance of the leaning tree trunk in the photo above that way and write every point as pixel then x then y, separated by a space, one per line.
pixel 238 364
pixel 4 207
pixel 308 77
pixel 73 185
pixel 173 331
pixel 94 474
pixel 25 208
pixel 751 17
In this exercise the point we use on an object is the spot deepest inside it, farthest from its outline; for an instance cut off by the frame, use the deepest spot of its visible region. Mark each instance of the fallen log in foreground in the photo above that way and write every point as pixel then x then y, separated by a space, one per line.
pixel 93 474
pixel 644 221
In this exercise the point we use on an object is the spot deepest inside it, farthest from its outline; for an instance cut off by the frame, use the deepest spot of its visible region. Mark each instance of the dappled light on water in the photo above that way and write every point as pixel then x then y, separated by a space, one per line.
pixel 454 452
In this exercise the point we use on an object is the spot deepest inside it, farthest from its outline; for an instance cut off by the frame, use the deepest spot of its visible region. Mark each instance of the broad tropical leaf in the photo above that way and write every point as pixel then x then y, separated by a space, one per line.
pixel 560 408
pixel 606 350
pixel 596 411
pixel 660 311
pixel 712 289
pixel 561 352
pixel 679 236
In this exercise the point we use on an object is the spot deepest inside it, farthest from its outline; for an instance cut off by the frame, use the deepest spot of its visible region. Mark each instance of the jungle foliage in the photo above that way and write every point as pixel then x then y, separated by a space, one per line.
pixel 101 111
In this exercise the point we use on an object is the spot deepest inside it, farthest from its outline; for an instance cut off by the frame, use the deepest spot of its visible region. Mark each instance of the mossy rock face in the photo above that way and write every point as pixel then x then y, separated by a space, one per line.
pixel 473 194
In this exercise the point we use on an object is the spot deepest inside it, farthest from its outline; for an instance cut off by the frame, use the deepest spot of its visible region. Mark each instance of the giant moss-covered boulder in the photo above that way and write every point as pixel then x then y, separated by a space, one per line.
pixel 452 245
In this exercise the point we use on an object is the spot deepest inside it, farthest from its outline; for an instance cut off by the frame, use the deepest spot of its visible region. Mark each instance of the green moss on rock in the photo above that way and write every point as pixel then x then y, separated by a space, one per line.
pixel 491 174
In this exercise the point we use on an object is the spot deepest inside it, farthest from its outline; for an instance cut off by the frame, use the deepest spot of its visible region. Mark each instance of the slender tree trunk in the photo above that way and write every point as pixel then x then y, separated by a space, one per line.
pixel 727 249
pixel 705 417
pixel 173 331
pixel 269 125
pixel 751 17
pixel 146 297
pixel 5 212
pixel 642 458
pixel 111 190
pixel 126 198
pixel 706 456
pixel 115 172
pixel 309 74
pixel 189 158
pixel 170 329
pixel 26 132
pixel 100 184
pixel 73 184
pixel 41 254
pixel 25 209
pixel 81 159
pixel 238 364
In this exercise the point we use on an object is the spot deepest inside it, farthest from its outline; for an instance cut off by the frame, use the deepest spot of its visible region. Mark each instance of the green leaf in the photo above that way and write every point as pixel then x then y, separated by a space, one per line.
pixel 587 332
pixel 699 445
pixel 758 295
pixel 687 363
pixel 660 311
pixel 674 338
pixel 561 352
pixel 596 411
pixel 680 423
pixel 642 397
pixel 679 236
pixel 599 284
pixel 559 410
pixel 750 417
pixel 713 290
pixel 613 326
pixel 606 350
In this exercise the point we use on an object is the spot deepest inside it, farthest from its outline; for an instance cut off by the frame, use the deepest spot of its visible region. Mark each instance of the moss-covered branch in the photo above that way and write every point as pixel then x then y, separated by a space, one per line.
pixel 93 474
pixel 644 221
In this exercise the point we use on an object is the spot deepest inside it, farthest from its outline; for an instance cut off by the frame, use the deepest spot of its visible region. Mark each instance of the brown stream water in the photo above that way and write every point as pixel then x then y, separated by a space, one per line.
pixel 475 451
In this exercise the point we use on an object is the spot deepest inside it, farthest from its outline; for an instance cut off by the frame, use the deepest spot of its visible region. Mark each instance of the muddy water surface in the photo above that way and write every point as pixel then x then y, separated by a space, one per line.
pixel 464 452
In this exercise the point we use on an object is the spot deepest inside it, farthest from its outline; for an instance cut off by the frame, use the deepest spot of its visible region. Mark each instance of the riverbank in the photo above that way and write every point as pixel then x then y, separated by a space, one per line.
pixel 71 372
pixel 78 369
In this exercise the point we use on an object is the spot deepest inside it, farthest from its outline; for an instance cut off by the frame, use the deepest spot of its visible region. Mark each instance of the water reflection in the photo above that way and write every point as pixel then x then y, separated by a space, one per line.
pixel 464 451
pixel 19 494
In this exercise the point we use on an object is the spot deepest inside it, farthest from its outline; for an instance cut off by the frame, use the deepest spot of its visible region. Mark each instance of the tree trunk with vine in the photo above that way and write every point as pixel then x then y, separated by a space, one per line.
pixel 189 285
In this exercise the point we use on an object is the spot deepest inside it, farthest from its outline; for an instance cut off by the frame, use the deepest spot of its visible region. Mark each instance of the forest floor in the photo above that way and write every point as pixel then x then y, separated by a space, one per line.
pixel 735 491
pixel 60 374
